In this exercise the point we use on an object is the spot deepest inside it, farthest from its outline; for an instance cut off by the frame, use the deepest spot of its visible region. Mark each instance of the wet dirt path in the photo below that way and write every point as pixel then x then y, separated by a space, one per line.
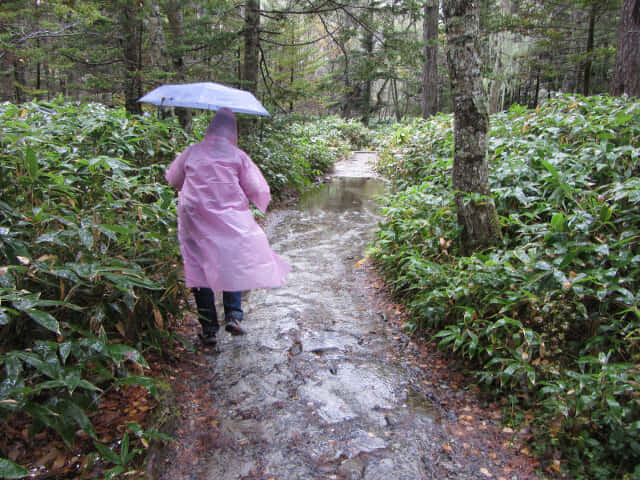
pixel 318 388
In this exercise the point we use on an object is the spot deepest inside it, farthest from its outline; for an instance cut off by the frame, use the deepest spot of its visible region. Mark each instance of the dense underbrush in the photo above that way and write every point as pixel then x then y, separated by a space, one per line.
pixel 550 316
pixel 89 262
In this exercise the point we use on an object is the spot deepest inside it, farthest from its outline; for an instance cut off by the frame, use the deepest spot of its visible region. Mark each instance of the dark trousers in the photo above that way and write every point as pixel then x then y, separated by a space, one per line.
pixel 205 301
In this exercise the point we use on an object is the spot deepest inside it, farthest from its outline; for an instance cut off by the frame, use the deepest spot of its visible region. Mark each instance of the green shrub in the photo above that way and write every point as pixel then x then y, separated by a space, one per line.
pixel 89 274
pixel 87 258
pixel 550 316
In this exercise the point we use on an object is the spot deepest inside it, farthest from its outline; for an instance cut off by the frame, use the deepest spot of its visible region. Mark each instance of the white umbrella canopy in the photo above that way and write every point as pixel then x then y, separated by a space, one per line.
pixel 205 95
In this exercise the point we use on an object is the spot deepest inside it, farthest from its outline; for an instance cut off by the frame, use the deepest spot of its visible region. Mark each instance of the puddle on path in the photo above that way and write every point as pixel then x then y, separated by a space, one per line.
pixel 307 393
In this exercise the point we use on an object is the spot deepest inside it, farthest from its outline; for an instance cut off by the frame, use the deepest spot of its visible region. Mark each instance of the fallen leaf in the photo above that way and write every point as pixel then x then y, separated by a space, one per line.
pixel 486 472
pixel 159 320
pixel 120 327
pixel 46 459
pixel 360 262
pixel 60 462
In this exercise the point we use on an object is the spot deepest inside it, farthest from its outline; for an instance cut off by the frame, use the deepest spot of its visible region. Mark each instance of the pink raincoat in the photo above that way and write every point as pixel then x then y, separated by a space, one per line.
pixel 222 246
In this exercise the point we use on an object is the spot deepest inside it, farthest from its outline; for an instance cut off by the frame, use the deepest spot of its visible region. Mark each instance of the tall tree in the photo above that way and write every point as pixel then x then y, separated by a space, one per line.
pixel 396 58
pixel 176 29
pixel 27 29
pixel 538 45
pixel 131 28
pixel 430 66
pixel 474 205
pixel 594 9
pixel 293 64
pixel 367 64
pixel 586 84
pixel 626 77
pixel 374 73
pixel 251 45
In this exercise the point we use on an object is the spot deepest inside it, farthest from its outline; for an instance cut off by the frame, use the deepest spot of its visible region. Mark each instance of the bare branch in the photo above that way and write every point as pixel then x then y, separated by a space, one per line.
pixel 264 68
pixel 21 36
pixel 90 64
pixel 296 44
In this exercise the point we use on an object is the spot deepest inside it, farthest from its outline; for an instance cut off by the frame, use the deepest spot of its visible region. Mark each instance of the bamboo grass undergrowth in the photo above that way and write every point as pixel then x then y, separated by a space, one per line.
pixel 549 318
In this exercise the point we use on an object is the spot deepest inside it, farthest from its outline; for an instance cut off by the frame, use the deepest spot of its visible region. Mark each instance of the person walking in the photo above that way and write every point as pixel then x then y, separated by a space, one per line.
pixel 223 248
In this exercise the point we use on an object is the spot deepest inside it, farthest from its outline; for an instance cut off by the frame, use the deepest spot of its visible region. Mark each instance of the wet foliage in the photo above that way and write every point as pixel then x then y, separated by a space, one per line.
pixel 550 317
pixel 89 273
pixel 292 152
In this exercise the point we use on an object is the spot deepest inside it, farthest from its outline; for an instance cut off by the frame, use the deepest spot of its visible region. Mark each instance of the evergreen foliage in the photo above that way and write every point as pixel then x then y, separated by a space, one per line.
pixel 358 59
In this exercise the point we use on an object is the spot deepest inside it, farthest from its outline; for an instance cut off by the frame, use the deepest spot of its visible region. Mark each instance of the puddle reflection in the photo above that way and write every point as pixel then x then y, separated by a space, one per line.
pixel 344 194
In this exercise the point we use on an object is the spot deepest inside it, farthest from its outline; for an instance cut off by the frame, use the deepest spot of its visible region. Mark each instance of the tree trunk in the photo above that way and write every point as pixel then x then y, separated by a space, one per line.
pixel 430 67
pixel 251 45
pixel 626 78
pixel 589 61
pixel 474 205
pixel 20 80
pixel 38 64
pixel 131 34
pixel 176 30
pixel 365 97
pixel 345 103
pixel 367 42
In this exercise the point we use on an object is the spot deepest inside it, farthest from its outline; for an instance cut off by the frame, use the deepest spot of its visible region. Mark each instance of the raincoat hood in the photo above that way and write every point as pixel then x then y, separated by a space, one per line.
pixel 223 125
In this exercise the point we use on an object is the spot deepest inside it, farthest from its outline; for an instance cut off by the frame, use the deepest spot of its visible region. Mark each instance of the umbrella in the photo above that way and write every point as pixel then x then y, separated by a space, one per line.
pixel 206 95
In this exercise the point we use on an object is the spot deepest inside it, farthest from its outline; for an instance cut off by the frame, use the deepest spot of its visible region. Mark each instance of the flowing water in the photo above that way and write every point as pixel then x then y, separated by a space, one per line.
pixel 308 393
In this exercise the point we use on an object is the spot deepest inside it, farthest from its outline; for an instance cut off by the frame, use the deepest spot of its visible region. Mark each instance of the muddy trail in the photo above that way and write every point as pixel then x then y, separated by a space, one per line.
pixel 325 385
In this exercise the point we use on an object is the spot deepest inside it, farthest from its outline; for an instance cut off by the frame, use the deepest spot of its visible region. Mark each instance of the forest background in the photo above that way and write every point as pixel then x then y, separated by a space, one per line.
pixel 549 317
pixel 364 59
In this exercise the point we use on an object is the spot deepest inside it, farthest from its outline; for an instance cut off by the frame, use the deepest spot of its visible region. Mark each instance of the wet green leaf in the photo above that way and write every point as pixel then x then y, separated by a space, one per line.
pixel 86 237
pixel 4 317
pixel 623 118
pixel 31 162
pixel 120 352
pixel 9 469
pixel 45 319
pixel 107 453
pixel 72 411
pixel 557 222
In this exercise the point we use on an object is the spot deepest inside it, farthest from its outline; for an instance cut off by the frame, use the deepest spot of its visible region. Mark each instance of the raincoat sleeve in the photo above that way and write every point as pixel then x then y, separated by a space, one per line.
pixel 254 185
pixel 175 172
